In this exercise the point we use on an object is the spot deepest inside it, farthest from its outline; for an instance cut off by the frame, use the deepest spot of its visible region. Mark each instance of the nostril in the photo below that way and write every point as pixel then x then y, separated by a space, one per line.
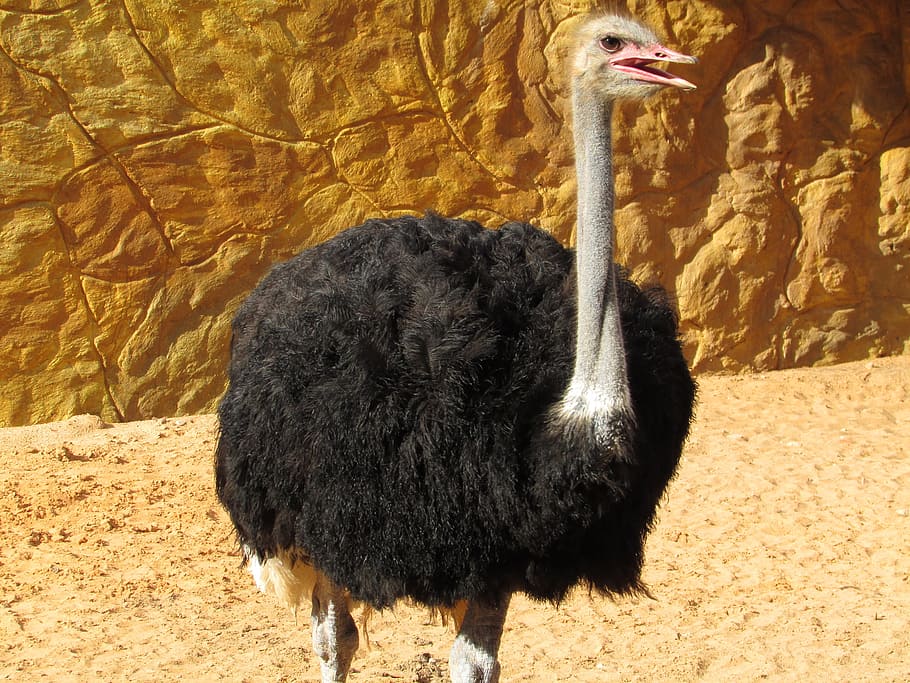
pixel 660 55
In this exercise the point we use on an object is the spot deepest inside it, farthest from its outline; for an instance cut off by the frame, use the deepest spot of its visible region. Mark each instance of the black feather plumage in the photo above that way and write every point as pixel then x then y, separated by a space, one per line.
pixel 390 417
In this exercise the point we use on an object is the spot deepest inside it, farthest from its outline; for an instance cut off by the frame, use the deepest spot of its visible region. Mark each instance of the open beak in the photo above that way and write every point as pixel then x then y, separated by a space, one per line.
pixel 638 65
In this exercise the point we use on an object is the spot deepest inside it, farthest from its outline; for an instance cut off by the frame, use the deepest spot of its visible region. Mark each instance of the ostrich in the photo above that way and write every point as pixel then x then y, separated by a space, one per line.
pixel 421 408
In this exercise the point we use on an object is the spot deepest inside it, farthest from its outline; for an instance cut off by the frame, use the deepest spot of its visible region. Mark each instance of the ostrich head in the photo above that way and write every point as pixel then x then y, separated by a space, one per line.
pixel 614 59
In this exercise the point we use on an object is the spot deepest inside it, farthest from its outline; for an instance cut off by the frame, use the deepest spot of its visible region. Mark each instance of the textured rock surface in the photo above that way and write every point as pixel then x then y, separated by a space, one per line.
pixel 157 157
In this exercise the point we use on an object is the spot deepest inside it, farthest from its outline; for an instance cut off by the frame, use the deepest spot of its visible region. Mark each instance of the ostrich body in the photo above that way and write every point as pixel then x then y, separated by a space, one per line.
pixel 423 408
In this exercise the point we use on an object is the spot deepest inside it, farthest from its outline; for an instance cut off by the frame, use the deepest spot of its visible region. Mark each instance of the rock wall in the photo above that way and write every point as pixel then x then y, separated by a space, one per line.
pixel 157 157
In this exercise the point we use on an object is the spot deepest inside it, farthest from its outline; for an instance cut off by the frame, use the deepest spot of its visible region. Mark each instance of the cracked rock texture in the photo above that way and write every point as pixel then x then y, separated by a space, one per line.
pixel 156 158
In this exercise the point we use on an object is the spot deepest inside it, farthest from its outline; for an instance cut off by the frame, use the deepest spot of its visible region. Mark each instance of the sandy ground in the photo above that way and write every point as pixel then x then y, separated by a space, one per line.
pixel 782 553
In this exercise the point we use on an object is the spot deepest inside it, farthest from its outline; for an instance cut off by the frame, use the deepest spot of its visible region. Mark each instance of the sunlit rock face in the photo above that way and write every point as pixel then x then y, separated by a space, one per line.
pixel 157 157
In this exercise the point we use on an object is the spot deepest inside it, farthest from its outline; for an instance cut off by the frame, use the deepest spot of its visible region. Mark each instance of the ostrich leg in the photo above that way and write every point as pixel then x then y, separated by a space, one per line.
pixel 335 637
pixel 474 654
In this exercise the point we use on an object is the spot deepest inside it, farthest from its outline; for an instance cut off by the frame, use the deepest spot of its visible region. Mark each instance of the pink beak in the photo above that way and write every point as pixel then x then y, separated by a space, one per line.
pixel 636 61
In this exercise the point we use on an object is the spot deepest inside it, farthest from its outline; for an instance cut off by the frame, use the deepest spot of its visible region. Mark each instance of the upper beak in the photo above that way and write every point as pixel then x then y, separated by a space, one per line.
pixel 666 55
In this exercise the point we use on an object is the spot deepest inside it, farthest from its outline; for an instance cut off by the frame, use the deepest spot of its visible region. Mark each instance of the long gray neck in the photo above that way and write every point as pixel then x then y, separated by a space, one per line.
pixel 599 387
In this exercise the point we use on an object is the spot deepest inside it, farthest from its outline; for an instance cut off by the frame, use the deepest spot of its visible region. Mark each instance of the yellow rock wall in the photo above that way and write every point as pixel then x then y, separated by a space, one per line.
pixel 156 157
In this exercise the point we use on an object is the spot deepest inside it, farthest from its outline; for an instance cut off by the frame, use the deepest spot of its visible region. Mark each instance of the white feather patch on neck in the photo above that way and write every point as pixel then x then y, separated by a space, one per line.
pixel 582 401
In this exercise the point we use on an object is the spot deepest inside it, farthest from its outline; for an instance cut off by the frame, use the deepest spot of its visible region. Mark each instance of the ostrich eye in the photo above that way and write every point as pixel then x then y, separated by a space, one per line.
pixel 611 44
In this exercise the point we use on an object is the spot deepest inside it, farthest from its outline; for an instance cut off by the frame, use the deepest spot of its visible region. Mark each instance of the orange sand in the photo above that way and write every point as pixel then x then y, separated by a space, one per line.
pixel 782 553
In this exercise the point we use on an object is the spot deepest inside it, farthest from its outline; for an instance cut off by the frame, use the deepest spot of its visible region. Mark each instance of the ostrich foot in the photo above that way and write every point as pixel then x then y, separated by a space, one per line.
pixel 335 637
pixel 474 655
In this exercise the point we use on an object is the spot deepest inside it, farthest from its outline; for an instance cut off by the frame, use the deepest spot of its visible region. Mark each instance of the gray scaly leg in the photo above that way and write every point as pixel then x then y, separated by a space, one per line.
pixel 474 654
pixel 335 637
